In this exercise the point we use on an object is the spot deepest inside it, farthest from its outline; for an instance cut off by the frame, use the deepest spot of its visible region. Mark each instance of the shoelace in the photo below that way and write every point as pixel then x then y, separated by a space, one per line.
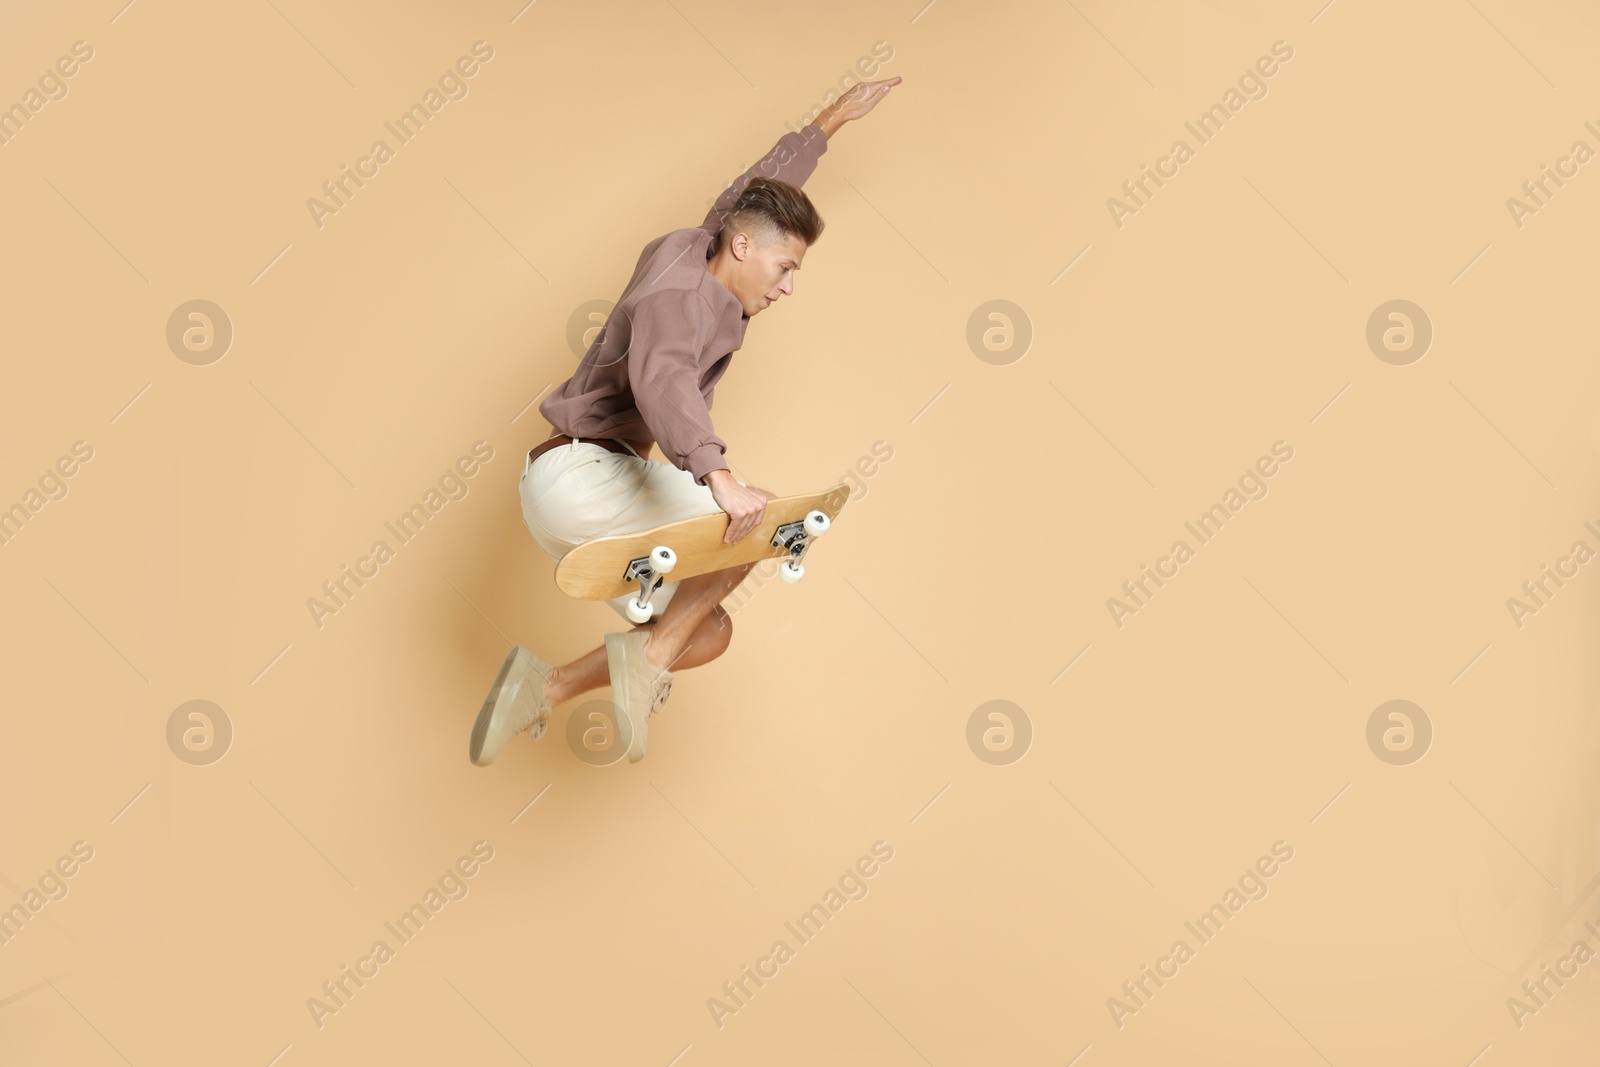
pixel 536 730
pixel 537 727
pixel 661 696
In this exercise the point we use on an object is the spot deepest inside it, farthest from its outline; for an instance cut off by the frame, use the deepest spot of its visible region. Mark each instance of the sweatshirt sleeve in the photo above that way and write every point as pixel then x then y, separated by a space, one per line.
pixel 669 328
pixel 791 160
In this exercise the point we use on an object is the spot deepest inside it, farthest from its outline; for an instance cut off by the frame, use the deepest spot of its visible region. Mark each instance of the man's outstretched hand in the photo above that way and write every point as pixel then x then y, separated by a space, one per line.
pixel 862 98
pixel 746 506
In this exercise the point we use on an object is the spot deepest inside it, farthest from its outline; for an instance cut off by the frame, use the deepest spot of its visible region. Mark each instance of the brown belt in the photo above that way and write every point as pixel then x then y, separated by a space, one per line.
pixel 563 439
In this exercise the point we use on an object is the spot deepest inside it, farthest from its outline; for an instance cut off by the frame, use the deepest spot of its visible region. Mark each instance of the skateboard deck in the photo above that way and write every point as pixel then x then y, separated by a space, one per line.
pixel 600 569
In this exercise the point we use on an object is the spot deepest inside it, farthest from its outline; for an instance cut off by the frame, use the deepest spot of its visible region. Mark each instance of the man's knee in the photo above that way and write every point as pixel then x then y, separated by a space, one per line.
pixel 721 624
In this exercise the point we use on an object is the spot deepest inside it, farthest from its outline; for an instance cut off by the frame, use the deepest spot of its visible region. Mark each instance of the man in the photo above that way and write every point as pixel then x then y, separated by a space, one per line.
pixel 648 379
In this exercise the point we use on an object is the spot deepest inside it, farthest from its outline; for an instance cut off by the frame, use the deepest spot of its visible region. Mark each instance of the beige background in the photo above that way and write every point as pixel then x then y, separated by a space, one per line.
pixel 1229 714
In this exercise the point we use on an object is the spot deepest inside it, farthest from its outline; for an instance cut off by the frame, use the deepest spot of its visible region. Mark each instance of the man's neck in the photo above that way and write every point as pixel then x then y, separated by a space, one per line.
pixel 713 268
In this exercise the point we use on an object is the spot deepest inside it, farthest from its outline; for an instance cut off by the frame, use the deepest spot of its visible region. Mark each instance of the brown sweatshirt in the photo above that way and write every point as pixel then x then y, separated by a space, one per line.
pixel 651 371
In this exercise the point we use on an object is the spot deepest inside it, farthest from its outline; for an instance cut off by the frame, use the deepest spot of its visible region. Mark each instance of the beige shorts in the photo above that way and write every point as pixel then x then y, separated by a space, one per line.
pixel 576 492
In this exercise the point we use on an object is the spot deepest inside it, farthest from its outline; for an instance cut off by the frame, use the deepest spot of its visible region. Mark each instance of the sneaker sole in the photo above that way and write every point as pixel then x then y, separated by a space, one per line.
pixel 634 732
pixel 512 672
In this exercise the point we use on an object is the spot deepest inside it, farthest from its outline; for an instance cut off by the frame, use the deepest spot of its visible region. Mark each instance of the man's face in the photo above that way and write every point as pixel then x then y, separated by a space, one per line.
pixel 766 271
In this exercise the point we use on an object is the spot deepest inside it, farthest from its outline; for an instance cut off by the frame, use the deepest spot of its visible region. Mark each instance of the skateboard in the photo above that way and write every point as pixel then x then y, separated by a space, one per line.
pixel 608 567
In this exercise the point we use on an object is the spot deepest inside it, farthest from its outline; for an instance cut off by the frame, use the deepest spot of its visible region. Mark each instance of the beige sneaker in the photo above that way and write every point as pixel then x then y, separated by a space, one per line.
pixel 515 703
pixel 638 688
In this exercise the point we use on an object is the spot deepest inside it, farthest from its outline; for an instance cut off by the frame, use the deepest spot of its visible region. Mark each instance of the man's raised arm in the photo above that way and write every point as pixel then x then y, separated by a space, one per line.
pixel 791 160
pixel 795 155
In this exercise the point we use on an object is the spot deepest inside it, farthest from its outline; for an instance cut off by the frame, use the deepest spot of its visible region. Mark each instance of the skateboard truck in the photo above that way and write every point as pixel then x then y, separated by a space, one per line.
pixel 650 571
pixel 797 538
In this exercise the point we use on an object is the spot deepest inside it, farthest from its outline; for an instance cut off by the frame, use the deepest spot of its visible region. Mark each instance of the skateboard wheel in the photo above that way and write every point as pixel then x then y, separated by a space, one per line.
pixel 816 524
pixel 791 572
pixel 637 612
pixel 663 559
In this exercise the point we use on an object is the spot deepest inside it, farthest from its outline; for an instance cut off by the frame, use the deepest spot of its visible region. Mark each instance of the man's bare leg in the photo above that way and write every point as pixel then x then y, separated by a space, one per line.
pixel 693 602
pixel 693 631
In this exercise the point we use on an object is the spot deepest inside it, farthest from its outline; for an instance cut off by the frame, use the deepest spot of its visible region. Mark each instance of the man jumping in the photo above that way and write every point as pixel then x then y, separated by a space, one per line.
pixel 648 379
